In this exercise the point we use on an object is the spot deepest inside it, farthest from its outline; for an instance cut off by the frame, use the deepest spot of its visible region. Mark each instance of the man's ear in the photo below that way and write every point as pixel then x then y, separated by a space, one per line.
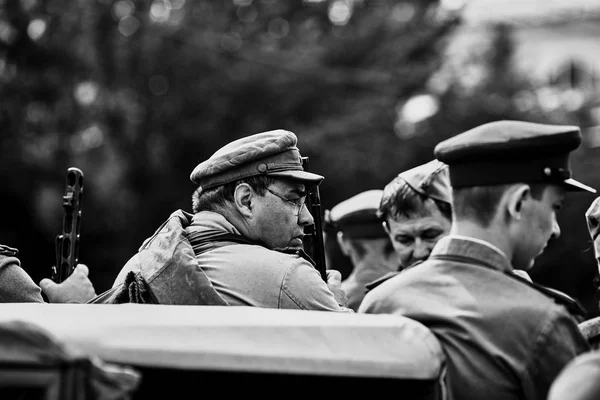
pixel 343 242
pixel 517 196
pixel 244 199
pixel 385 227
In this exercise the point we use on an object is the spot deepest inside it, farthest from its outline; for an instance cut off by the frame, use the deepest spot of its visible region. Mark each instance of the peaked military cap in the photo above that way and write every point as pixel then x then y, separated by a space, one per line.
pixel 357 216
pixel 272 153
pixel 505 152
pixel 430 179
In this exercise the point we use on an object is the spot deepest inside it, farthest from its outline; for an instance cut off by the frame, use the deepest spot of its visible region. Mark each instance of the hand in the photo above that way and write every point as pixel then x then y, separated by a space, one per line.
pixel 522 274
pixel 592 217
pixel 334 282
pixel 77 288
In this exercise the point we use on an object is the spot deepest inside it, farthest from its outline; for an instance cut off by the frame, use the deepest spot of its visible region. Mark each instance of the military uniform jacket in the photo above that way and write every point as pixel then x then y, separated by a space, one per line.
pixel 253 275
pixel 504 339
pixel 242 274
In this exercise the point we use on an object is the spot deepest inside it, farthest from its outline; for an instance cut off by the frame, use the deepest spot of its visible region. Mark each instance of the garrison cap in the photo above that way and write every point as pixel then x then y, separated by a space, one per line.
pixel 505 152
pixel 357 216
pixel 272 153
pixel 430 179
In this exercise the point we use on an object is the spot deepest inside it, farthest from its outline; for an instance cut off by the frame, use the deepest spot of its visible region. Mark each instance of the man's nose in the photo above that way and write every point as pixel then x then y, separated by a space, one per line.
pixel 305 217
pixel 555 230
pixel 422 250
pixel 593 222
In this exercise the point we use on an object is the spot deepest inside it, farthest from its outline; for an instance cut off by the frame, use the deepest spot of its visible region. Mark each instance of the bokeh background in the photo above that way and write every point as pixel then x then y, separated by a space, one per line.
pixel 136 93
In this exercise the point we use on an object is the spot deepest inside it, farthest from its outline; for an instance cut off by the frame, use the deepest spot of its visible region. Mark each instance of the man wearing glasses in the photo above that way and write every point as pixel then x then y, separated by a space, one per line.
pixel 244 236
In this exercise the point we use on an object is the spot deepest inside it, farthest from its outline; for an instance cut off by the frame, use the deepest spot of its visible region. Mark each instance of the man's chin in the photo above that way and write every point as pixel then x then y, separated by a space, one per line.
pixel 296 243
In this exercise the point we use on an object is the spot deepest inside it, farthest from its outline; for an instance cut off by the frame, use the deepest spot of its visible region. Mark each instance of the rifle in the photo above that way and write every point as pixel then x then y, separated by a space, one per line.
pixel 313 241
pixel 67 243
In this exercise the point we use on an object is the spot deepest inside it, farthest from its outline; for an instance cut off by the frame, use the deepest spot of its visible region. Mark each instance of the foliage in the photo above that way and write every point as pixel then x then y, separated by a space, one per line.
pixel 136 93
pixel 485 86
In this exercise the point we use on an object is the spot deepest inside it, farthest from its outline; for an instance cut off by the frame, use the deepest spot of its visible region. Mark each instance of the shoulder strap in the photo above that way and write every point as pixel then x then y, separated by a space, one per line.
pixel 572 305
pixel 373 284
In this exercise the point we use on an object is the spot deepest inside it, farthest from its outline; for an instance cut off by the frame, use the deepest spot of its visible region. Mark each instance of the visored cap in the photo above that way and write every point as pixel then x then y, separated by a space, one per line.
pixel 504 152
pixel 272 153
pixel 357 216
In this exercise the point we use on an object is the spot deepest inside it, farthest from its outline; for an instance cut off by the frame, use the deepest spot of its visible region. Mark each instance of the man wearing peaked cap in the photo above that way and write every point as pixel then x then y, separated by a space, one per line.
pixel 356 230
pixel 416 209
pixel 504 338
pixel 243 243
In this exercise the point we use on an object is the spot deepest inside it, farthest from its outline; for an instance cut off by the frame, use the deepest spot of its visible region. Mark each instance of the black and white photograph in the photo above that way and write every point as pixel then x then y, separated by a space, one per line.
pixel 303 198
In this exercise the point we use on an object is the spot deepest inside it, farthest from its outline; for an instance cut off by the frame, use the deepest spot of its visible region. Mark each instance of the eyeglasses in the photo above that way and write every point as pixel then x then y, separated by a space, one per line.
pixel 298 203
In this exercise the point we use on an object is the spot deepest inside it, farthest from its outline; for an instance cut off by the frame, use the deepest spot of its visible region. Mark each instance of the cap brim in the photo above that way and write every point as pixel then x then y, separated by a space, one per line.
pixel 307 177
pixel 577 186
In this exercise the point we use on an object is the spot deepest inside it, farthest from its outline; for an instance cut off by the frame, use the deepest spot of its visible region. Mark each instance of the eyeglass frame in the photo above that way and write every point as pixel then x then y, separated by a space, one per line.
pixel 299 206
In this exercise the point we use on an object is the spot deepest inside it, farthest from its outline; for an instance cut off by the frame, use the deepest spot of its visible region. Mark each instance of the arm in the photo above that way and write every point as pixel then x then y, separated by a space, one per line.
pixel 592 218
pixel 559 342
pixel 304 287
pixel 16 286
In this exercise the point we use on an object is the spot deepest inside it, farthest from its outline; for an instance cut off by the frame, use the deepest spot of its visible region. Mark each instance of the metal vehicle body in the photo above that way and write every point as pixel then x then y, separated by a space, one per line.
pixel 195 351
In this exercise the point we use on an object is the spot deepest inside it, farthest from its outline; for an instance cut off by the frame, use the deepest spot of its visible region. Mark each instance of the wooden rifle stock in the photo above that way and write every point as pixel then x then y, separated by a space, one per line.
pixel 67 243
pixel 313 241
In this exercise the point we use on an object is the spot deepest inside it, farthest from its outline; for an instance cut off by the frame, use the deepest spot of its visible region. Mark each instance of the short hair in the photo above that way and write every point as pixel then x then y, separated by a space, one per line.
pixel 218 197
pixel 400 199
pixel 480 203
pixel 360 245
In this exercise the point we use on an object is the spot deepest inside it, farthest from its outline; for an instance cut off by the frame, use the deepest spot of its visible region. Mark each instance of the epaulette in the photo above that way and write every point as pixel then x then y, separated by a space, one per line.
pixel 572 305
pixel 372 285
pixel 8 251
pixel 591 331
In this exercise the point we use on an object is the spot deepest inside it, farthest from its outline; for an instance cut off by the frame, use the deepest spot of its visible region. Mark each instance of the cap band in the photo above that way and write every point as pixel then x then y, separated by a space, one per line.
pixel 289 160
pixel 482 173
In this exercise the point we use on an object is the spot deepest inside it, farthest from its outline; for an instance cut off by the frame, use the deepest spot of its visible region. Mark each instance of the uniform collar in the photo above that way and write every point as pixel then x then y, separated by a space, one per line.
pixel 472 249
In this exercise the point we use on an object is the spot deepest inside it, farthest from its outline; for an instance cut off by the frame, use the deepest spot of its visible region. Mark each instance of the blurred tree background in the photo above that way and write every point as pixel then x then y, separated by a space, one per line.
pixel 136 93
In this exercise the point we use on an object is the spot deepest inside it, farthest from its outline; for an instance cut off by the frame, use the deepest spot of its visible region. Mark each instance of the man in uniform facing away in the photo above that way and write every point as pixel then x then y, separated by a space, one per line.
pixel 242 245
pixel 504 338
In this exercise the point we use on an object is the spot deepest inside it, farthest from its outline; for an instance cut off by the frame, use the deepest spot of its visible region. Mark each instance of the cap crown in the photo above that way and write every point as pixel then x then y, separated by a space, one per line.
pixel 430 179
pixel 357 215
pixel 266 153
pixel 508 140
pixel 505 152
